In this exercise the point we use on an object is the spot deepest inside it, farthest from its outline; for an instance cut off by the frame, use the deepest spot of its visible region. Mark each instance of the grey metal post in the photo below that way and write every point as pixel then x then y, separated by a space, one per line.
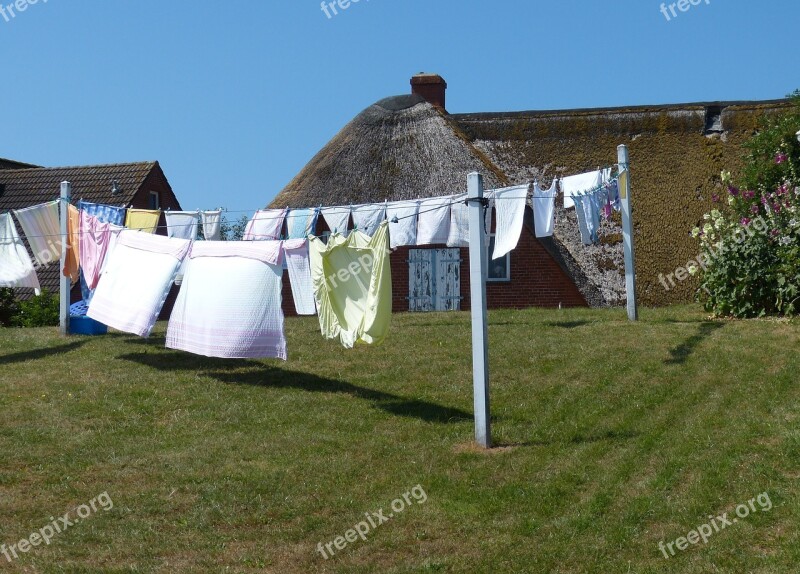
pixel 627 232
pixel 478 267
pixel 64 284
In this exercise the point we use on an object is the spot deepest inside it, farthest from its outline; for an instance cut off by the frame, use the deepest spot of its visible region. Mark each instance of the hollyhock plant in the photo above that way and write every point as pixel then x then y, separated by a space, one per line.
pixel 752 242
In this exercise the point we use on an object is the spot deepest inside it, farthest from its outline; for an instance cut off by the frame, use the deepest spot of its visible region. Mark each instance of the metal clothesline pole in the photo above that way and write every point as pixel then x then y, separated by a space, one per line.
pixel 64 281
pixel 627 232
pixel 478 266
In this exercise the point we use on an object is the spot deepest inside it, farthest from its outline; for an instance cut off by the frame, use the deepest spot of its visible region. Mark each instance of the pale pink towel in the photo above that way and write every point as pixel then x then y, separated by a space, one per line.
pixel 94 240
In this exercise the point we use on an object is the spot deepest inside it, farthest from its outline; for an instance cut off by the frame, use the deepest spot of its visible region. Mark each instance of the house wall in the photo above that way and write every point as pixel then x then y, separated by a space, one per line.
pixel 676 154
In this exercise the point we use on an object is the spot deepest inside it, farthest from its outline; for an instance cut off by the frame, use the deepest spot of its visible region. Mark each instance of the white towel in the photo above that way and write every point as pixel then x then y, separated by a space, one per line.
pixel 182 224
pixel 459 222
pixel 337 218
pixel 544 209
pixel 16 267
pixel 404 232
pixel 266 225
pixel 136 281
pixel 509 206
pixel 434 221
pixel 297 263
pixel 229 305
pixel 212 225
pixel 112 243
pixel 41 226
pixel 581 183
pixel 368 217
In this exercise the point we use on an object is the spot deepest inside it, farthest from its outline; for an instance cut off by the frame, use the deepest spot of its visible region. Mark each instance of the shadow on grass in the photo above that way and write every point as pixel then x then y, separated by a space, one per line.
pixel 601 436
pixel 248 372
pixel 35 354
pixel 681 353
pixel 567 324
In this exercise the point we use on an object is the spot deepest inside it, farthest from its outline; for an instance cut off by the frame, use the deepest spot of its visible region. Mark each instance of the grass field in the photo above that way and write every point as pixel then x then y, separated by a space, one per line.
pixel 612 437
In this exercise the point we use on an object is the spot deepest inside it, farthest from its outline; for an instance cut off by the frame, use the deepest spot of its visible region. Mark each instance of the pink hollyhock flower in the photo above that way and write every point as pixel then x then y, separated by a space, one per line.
pixel 733 191
pixel 745 221
pixel 754 208
pixel 749 194
pixel 780 157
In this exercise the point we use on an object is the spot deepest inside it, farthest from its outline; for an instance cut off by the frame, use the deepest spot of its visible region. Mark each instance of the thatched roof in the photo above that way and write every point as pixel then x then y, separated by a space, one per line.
pixel 405 148
pixel 398 148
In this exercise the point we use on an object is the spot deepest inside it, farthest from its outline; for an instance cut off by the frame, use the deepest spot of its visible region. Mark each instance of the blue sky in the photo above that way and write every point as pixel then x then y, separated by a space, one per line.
pixel 234 98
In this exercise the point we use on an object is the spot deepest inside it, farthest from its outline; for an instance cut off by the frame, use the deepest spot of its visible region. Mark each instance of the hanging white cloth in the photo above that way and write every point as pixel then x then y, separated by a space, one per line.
pixel 295 252
pixel 459 222
pixel 368 217
pixel 266 225
pixel 137 280
pixel 433 226
pixel 337 218
pixel 509 206
pixel 41 226
pixel 182 224
pixel 404 232
pixel 581 183
pixel 229 305
pixel 16 267
pixel 212 228
pixel 544 202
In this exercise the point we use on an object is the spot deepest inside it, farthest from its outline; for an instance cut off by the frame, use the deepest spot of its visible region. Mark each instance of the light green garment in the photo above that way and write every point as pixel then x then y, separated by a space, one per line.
pixel 352 282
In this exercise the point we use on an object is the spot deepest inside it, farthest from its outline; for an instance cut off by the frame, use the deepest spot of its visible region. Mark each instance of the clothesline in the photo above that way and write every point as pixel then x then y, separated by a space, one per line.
pixel 393 220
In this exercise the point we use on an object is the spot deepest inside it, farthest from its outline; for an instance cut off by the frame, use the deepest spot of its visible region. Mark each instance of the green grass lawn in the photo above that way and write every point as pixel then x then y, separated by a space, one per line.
pixel 611 437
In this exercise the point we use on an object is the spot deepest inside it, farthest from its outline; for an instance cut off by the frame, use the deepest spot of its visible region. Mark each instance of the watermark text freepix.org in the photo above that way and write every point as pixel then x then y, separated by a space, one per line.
pixel 56 526
pixel 9 11
pixel 758 225
pixel 374 519
pixel 669 10
pixel 717 524
pixel 330 8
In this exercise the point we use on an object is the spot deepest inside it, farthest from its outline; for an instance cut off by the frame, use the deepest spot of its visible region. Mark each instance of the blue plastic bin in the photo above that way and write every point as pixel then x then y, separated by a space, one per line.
pixel 82 325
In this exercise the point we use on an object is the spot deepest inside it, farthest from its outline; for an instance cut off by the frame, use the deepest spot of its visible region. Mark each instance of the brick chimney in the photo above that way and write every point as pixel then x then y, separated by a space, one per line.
pixel 432 87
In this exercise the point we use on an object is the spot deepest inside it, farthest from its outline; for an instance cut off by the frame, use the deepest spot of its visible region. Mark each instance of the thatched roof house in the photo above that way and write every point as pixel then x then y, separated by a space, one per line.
pixel 409 147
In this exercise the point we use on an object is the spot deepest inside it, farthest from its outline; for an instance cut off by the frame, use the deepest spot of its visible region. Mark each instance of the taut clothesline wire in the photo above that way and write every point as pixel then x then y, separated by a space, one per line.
pixel 462 197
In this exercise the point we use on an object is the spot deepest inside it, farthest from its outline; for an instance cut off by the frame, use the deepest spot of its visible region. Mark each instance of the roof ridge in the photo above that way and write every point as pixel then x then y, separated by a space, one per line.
pixel 631 108
pixel 90 166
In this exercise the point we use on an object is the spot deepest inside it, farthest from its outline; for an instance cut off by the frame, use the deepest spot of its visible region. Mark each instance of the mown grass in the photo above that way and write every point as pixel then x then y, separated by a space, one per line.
pixel 611 437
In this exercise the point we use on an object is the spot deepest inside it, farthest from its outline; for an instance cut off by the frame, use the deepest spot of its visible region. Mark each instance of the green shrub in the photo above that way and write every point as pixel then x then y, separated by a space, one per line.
pixel 752 244
pixel 40 311
pixel 9 307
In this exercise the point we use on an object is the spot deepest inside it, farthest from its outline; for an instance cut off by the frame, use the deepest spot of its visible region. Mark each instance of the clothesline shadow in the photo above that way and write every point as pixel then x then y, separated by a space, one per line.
pixel 249 372
pixel 572 439
pixel 567 324
pixel 35 354
pixel 680 354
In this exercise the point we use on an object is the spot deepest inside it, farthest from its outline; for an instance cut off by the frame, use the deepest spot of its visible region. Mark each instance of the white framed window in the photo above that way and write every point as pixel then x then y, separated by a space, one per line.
pixel 499 269
pixel 153 200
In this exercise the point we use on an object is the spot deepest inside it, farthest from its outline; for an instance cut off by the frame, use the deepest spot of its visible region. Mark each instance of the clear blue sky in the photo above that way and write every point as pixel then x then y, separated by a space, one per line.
pixel 233 98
